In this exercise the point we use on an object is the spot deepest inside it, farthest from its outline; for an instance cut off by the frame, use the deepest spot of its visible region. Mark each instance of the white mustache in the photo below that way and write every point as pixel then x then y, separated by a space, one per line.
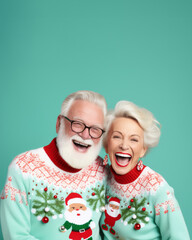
pixel 86 141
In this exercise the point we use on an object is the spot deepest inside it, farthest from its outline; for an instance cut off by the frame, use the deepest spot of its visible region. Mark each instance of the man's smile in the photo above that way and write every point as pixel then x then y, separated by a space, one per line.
pixel 80 146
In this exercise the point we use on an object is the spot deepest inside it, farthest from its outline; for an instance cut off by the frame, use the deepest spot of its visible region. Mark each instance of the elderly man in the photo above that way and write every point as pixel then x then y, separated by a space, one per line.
pixel 39 181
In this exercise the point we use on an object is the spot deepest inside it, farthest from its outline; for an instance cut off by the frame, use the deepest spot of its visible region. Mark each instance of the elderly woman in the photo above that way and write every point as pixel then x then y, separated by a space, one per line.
pixel 140 203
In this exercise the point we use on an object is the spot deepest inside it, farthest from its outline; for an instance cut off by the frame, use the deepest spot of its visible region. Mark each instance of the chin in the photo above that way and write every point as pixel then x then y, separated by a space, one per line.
pixel 121 170
pixel 73 157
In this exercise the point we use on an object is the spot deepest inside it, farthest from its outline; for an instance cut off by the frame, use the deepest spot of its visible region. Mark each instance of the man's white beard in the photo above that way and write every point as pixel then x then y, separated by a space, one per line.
pixel 74 158
pixel 79 220
pixel 115 212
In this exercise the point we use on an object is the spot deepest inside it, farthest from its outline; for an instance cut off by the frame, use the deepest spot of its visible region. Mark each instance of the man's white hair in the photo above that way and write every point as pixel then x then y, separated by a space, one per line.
pixel 145 118
pixel 85 95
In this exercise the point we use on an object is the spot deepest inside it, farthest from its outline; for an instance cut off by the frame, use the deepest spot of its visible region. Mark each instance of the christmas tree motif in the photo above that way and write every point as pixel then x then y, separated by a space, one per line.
pixel 47 205
pixel 136 213
pixel 98 198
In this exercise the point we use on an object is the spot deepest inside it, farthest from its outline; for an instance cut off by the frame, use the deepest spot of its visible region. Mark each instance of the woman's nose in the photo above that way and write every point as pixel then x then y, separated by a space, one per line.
pixel 124 145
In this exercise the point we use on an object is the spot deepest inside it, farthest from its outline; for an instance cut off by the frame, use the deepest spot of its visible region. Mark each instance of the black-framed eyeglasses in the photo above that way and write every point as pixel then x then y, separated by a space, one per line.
pixel 78 127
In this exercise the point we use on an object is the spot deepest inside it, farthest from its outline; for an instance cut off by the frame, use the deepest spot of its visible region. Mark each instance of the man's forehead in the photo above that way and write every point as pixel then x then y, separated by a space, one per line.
pixel 87 112
pixel 80 105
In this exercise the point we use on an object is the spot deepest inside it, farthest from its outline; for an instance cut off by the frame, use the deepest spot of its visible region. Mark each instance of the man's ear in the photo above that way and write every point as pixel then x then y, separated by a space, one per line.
pixel 58 123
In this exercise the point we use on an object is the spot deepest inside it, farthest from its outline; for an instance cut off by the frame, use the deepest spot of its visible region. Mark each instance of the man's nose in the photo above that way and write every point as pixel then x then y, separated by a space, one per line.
pixel 85 134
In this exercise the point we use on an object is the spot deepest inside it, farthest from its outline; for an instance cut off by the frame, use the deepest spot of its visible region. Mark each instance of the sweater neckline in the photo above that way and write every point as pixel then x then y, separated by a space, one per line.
pixel 128 177
pixel 53 153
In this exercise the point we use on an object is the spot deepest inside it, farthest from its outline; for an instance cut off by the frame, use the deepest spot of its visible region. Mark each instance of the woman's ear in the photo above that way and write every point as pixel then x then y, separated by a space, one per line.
pixel 106 149
pixel 106 145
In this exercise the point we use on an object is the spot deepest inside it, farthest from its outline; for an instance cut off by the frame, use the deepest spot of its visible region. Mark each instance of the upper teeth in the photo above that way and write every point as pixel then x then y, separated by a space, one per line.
pixel 82 144
pixel 123 155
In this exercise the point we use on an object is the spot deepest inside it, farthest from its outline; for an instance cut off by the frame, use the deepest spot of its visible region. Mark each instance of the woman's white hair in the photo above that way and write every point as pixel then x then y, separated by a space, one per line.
pixel 85 95
pixel 145 118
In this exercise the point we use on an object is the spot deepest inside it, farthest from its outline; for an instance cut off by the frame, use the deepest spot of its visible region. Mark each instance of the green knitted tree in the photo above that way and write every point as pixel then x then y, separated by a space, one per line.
pixel 135 213
pixel 47 205
pixel 98 198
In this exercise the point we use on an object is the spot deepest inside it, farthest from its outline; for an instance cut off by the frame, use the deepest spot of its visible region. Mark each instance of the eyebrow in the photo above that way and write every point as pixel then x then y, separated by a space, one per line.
pixel 135 135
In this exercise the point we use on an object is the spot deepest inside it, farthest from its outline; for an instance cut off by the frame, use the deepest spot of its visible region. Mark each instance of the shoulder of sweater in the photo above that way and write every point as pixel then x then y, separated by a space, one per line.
pixel 150 173
pixel 99 161
pixel 28 156
pixel 152 179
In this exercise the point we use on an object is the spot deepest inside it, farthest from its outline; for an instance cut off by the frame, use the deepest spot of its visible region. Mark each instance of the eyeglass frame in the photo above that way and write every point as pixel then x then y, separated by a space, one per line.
pixel 85 126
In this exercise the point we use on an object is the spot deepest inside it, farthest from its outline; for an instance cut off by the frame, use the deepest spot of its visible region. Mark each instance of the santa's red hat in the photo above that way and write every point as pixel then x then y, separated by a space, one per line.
pixel 115 201
pixel 74 198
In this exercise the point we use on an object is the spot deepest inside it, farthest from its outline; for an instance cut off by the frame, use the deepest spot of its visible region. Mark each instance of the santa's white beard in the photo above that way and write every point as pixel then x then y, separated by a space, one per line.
pixel 84 217
pixel 112 212
pixel 74 158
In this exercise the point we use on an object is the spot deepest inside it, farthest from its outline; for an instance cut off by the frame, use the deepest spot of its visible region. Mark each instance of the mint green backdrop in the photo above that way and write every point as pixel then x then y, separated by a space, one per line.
pixel 126 50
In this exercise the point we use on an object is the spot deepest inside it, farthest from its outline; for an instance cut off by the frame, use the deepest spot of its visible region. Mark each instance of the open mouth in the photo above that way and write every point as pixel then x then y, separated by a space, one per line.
pixel 80 145
pixel 122 159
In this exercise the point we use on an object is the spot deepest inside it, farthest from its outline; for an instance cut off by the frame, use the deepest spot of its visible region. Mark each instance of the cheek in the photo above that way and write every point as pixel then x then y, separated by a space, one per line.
pixel 111 146
pixel 110 152
pixel 138 150
pixel 69 132
pixel 96 141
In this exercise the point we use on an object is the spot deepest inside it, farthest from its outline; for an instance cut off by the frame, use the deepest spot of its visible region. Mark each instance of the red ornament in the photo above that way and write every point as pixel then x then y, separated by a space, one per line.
pixel 107 197
pixel 132 200
pixel 45 189
pixel 55 196
pixel 93 194
pixel 45 219
pixel 143 209
pixel 137 226
pixel 129 207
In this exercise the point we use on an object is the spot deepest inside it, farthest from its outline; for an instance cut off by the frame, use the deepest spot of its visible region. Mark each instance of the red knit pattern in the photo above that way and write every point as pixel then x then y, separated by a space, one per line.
pixel 54 155
pixel 31 163
pixel 128 177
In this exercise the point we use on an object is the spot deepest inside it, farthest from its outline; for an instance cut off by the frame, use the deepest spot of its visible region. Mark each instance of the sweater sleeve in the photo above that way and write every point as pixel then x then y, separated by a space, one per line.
pixel 14 208
pixel 168 215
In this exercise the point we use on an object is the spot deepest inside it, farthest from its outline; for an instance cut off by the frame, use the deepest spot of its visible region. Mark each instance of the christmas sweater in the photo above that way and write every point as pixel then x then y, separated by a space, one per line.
pixel 148 208
pixel 33 201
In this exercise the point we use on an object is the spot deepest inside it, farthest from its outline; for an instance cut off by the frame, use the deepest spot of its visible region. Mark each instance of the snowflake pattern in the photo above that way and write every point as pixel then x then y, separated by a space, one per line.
pixel 31 163
pixel 14 192
pixel 147 181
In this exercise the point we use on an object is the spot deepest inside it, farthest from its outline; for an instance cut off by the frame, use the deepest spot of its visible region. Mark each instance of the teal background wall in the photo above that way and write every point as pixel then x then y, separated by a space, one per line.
pixel 126 50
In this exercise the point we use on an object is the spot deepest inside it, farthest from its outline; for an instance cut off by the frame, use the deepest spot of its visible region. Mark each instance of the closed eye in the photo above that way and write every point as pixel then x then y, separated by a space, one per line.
pixel 116 136
pixel 134 140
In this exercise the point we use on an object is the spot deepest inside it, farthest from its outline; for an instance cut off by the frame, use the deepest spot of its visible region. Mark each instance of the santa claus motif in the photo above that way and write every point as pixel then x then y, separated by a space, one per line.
pixel 112 214
pixel 78 217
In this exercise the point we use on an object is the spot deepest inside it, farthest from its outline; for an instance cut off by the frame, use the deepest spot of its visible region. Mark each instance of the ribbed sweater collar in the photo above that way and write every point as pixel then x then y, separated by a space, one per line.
pixel 53 154
pixel 128 177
